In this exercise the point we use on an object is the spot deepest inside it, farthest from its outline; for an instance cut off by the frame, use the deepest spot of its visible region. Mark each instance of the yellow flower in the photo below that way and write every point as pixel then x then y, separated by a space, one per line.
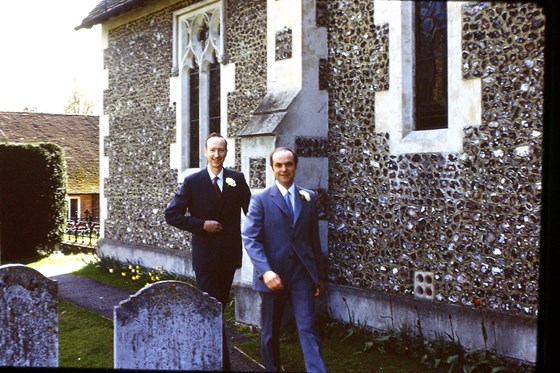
pixel 110 270
pixel 123 274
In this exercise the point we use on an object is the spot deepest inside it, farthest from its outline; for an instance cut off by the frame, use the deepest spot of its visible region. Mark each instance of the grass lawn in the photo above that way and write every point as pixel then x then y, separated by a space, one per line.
pixel 86 339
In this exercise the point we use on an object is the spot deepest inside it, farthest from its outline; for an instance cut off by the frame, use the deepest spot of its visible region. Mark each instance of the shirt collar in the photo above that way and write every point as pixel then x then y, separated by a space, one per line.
pixel 212 175
pixel 291 189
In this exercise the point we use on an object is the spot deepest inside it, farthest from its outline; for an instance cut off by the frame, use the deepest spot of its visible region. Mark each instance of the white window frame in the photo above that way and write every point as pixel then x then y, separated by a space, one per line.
pixel 394 110
pixel 79 207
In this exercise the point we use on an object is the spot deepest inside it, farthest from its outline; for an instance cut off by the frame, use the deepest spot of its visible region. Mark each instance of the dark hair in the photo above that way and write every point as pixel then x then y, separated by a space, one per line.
pixel 214 134
pixel 282 148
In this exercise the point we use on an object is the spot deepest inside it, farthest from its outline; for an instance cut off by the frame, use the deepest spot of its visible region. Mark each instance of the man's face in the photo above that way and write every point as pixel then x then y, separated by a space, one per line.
pixel 284 167
pixel 215 151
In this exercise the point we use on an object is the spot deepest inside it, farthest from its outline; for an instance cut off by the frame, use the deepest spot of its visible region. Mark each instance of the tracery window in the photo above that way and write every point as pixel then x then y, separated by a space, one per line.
pixel 199 55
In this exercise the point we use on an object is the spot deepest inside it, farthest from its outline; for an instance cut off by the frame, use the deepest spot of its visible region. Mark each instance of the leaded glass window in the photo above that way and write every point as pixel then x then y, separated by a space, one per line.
pixel 431 65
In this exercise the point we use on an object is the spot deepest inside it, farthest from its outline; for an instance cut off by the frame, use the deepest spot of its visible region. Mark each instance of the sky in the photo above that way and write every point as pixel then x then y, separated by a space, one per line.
pixel 42 56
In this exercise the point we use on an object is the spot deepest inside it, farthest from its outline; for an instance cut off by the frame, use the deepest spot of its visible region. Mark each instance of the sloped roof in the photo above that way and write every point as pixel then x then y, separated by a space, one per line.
pixel 268 116
pixel 107 9
pixel 78 135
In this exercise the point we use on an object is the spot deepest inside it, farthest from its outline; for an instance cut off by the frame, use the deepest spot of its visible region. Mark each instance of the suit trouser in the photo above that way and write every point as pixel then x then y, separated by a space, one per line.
pixel 299 291
pixel 218 285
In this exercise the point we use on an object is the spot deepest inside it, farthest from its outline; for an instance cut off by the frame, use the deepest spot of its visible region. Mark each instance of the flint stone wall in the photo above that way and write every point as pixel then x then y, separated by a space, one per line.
pixel 28 318
pixel 169 325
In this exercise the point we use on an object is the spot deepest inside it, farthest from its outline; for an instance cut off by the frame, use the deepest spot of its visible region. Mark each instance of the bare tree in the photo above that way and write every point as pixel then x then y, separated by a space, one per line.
pixel 78 103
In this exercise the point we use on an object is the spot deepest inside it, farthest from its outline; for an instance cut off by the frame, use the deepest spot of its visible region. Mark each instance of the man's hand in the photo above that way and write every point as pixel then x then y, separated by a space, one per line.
pixel 272 281
pixel 212 226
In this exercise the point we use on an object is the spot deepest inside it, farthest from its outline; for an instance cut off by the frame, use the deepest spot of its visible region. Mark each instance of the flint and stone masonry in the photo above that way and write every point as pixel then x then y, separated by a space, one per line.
pixel 462 205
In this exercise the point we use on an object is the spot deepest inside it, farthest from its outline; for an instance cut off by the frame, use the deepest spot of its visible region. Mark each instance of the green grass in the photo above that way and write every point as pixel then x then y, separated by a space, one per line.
pixel 86 339
pixel 339 357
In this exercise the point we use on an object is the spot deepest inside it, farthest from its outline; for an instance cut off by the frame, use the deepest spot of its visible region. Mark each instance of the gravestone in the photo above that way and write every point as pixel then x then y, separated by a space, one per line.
pixel 168 325
pixel 28 318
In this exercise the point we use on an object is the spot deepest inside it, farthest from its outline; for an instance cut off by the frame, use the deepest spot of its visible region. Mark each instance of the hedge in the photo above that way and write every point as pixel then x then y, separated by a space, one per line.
pixel 32 199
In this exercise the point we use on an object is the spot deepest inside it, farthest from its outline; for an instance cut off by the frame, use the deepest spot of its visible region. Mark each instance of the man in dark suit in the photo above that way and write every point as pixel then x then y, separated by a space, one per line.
pixel 214 198
pixel 281 235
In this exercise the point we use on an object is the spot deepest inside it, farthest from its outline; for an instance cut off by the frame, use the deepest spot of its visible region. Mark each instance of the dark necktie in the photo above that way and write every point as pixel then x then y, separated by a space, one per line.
pixel 217 188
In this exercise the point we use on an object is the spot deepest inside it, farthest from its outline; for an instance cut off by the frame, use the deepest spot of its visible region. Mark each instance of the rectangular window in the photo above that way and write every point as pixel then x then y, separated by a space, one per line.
pixel 74 209
pixel 214 98
pixel 405 99
pixel 430 100
pixel 194 118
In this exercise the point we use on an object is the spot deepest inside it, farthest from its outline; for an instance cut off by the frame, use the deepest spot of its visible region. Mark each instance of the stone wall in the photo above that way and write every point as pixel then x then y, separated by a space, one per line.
pixel 142 121
pixel 141 129
pixel 473 219
pixel 246 48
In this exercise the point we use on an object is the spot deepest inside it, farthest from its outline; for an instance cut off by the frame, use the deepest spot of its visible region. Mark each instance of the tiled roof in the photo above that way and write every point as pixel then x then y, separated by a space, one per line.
pixel 107 9
pixel 78 135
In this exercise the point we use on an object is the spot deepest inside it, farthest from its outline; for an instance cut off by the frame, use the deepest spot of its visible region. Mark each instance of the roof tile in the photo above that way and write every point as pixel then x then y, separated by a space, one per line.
pixel 78 135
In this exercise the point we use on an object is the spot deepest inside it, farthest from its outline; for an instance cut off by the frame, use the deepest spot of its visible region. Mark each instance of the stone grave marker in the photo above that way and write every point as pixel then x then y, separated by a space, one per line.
pixel 168 325
pixel 28 318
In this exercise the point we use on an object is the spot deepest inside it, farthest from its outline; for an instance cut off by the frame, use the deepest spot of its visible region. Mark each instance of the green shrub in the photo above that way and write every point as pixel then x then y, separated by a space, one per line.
pixel 32 199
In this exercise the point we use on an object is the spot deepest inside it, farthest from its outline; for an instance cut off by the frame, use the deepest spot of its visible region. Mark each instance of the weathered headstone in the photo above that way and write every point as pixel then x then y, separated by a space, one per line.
pixel 28 318
pixel 168 325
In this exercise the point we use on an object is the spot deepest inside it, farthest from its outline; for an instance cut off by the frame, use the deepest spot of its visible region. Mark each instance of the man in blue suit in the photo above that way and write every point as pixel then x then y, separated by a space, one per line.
pixel 281 236
pixel 214 198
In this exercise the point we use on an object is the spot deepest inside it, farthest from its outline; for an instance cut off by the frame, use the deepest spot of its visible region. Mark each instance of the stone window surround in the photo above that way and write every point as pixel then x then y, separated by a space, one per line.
pixel 179 84
pixel 393 108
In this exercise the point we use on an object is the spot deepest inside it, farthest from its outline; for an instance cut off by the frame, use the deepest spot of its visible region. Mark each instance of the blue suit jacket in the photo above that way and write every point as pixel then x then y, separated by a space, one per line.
pixel 211 251
pixel 271 239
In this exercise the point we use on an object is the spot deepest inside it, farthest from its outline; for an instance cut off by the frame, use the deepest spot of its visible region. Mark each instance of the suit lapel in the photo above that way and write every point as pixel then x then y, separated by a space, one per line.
pixel 297 204
pixel 278 200
pixel 206 185
pixel 225 191
pixel 209 193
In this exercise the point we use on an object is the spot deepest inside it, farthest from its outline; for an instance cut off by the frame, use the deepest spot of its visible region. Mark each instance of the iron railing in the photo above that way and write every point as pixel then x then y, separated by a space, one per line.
pixel 82 232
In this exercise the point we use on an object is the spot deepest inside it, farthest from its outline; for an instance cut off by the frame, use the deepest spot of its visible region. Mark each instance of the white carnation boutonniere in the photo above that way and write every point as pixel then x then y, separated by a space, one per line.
pixel 304 195
pixel 230 182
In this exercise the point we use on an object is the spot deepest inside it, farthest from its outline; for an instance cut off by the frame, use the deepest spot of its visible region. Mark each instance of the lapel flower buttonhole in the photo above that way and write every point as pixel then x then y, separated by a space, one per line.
pixel 230 182
pixel 304 195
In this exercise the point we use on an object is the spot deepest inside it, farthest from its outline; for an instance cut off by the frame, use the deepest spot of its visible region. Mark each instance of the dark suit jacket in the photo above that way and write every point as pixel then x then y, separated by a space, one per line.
pixel 271 239
pixel 211 251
